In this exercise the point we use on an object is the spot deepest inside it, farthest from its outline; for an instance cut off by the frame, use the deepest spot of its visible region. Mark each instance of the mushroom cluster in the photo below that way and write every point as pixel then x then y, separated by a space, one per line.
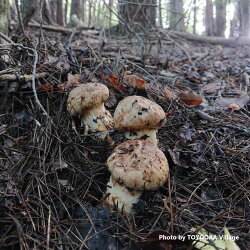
pixel 139 118
pixel 87 102
pixel 135 166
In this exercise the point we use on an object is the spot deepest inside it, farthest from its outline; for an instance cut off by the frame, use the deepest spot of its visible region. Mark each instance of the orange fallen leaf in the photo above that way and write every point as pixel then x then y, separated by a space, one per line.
pixel 135 81
pixel 46 87
pixel 112 81
pixel 234 106
pixel 190 98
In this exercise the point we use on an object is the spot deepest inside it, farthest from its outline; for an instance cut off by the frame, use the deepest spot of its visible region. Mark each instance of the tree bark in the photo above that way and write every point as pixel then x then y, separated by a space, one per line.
pixel 28 9
pixel 139 14
pixel 195 17
pixel 160 14
pixel 66 11
pixel 209 18
pixel 244 17
pixel 220 17
pixel 4 16
pixel 176 15
pixel 76 9
pixel 59 13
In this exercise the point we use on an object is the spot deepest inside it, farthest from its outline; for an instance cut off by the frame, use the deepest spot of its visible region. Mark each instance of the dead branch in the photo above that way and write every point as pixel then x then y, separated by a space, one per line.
pixel 22 78
pixel 211 40
pixel 84 31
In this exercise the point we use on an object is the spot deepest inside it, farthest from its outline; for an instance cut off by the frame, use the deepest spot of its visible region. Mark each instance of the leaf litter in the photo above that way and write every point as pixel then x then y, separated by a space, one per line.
pixel 53 177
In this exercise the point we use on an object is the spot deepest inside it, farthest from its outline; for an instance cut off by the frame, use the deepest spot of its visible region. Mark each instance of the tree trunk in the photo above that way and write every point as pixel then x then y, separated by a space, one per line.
pixel 195 17
pixel 53 7
pixel 244 17
pixel 59 13
pixel 76 9
pixel 66 11
pixel 4 16
pixel 110 12
pixel 209 18
pixel 220 17
pixel 160 15
pixel 139 14
pixel 47 13
pixel 90 14
pixel 28 9
pixel 176 15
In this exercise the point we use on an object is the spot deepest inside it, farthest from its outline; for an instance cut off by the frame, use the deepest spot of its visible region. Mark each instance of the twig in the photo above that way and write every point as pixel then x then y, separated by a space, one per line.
pixel 23 78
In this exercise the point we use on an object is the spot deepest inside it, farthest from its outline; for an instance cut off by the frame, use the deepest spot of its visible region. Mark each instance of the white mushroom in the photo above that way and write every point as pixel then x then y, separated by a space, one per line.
pixel 139 118
pixel 135 165
pixel 87 102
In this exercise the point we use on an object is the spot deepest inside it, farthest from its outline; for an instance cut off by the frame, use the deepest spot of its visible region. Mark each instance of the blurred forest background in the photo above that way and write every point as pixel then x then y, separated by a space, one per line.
pixel 224 18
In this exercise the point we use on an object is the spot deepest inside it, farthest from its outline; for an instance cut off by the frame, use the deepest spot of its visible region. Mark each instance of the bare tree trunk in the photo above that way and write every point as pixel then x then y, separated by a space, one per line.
pixel 234 21
pixel 220 17
pixel 83 4
pixel 99 13
pixel 90 13
pixel 76 9
pixel 47 13
pixel 195 17
pixel 140 14
pixel 59 13
pixel 244 17
pixel 209 18
pixel 110 12
pixel 176 15
pixel 53 7
pixel 160 14
pixel 4 16
pixel 66 11
pixel 29 8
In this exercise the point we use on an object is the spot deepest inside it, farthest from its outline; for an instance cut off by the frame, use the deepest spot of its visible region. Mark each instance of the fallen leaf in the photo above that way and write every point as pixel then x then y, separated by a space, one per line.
pixel 224 102
pixel 46 87
pixel 234 106
pixel 135 81
pixel 211 87
pixel 73 81
pixel 189 97
pixel 114 82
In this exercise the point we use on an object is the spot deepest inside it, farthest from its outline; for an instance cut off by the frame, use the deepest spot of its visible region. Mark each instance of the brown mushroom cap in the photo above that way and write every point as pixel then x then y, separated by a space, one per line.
pixel 138 165
pixel 86 96
pixel 135 113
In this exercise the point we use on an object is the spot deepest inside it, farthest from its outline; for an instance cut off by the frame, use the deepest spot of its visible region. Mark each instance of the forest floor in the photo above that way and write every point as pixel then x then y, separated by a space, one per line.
pixel 53 177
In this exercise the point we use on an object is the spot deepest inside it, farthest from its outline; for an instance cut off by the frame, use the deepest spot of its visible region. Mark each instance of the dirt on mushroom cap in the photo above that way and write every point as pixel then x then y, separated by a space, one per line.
pixel 86 96
pixel 139 165
pixel 136 112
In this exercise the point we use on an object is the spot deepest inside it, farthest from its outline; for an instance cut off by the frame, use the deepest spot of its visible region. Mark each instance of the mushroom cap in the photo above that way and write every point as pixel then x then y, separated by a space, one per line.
pixel 138 165
pixel 135 113
pixel 86 96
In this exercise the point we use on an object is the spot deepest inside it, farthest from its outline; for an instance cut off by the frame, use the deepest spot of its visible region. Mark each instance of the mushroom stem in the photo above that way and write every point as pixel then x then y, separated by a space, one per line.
pixel 119 197
pixel 146 134
pixel 98 119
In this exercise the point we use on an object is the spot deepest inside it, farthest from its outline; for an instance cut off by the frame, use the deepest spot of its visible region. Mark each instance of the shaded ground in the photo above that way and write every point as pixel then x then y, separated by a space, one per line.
pixel 53 178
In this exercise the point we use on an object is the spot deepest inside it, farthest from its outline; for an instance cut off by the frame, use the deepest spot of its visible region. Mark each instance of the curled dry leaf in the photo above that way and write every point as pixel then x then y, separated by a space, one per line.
pixel 73 81
pixel 189 97
pixel 135 81
pixel 234 106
